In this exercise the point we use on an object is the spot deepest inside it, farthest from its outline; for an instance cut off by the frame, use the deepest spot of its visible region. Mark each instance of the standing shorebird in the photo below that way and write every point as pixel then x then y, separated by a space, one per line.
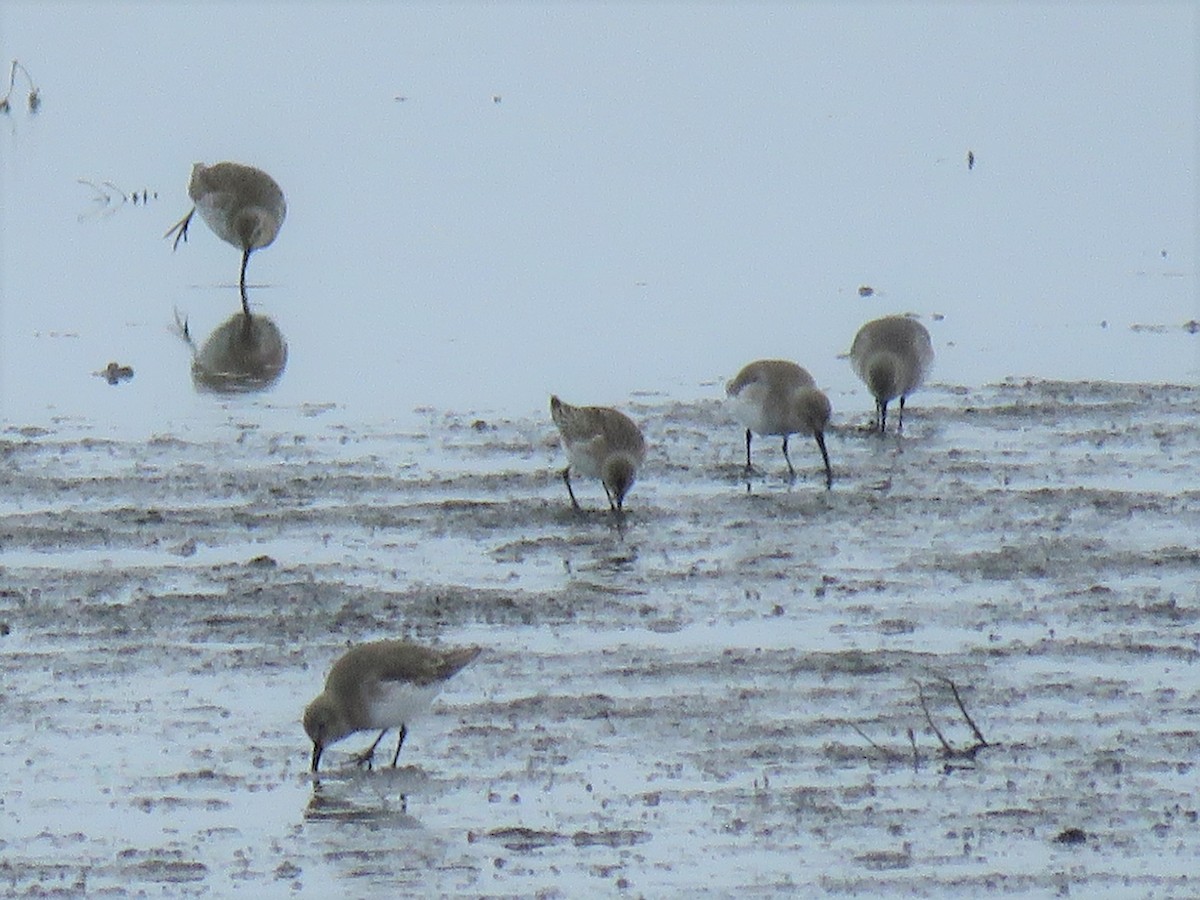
pixel 600 443
pixel 382 685
pixel 241 204
pixel 892 356
pixel 774 396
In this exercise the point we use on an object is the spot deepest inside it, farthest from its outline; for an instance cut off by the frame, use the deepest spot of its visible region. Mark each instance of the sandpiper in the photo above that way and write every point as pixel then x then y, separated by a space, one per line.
pixel 774 396
pixel 384 685
pixel 241 204
pixel 600 443
pixel 892 356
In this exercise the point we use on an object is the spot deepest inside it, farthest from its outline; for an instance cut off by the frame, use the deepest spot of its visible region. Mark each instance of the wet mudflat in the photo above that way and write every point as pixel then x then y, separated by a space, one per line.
pixel 715 697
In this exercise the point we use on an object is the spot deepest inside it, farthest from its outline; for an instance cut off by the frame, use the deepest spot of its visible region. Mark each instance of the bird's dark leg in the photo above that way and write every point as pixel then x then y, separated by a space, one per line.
pixel 612 504
pixel 180 229
pixel 566 475
pixel 399 744
pixel 748 450
pixel 900 424
pixel 364 758
pixel 787 459
pixel 881 405
pixel 242 281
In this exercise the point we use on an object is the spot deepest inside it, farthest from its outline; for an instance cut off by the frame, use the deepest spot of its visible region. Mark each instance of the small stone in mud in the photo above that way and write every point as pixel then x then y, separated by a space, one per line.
pixel 287 869
pixel 896 626
pixel 262 562
pixel 115 373
pixel 5 629
pixel 1071 836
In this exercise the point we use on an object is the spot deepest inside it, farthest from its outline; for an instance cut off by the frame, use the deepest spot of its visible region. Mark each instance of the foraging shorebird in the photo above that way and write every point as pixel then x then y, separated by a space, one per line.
pixel 892 356
pixel 774 396
pixel 600 443
pixel 384 685
pixel 241 204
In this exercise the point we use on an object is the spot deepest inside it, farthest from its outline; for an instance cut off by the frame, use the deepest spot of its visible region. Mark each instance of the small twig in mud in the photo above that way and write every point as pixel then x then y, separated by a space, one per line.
pixel 35 97
pixel 887 754
pixel 948 749
pixel 979 738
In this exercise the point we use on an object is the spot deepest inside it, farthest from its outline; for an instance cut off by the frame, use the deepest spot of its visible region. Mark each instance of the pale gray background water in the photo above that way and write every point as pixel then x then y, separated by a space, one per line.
pixel 663 193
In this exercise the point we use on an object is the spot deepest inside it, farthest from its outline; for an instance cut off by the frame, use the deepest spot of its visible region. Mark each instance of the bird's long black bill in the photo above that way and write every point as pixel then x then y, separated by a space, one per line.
pixel 820 436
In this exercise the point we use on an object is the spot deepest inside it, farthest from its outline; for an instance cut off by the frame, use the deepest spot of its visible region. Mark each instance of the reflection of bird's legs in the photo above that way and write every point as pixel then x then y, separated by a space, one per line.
pixel 364 758
pixel 566 474
pixel 180 229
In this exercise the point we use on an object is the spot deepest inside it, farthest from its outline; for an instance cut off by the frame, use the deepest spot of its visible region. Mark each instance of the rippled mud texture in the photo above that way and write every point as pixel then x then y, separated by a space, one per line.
pixel 717 695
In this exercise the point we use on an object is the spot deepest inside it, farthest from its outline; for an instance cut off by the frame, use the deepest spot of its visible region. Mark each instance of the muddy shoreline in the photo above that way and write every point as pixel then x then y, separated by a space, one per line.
pixel 714 697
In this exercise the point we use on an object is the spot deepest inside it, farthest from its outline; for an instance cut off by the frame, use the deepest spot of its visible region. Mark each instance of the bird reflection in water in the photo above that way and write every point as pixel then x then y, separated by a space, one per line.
pixel 369 801
pixel 245 353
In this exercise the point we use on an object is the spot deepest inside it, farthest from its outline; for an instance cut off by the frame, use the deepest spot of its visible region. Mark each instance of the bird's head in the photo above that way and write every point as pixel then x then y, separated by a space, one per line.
pixel 618 476
pixel 323 726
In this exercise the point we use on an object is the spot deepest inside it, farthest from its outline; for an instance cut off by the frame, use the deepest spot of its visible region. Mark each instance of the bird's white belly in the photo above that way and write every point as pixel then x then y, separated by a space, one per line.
pixel 394 703
pixel 751 409
pixel 214 209
pixel 586 457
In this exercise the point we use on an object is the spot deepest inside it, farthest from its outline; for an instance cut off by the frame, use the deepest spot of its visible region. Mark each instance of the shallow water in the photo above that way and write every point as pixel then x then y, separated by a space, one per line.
pixel 715 696
pixel 649 207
